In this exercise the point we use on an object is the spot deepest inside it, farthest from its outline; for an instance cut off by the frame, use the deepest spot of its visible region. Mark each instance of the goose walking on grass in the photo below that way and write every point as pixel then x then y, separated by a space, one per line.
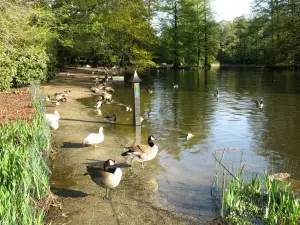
pixel 107 177
pixel 94 139
pixel 259 104
pixel 142 153
pixel 52 120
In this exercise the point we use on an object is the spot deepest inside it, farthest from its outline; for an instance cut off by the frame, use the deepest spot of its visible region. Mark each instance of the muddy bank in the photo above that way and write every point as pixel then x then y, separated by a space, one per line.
pixel 134 201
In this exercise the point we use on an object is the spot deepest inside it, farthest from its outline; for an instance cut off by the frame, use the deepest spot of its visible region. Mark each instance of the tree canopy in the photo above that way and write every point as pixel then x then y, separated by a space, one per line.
pixel 39 36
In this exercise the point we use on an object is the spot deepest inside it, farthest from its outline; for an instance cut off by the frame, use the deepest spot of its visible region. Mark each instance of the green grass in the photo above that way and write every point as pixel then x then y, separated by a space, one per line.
pixel 23 170
pixel 260 201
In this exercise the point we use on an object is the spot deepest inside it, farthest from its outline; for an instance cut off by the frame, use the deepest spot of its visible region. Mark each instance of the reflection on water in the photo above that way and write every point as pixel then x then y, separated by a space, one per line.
pixel 187 167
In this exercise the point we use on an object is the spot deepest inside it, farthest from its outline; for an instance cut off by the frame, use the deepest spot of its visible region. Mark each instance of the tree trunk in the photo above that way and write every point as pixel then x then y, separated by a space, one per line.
pixel 176 55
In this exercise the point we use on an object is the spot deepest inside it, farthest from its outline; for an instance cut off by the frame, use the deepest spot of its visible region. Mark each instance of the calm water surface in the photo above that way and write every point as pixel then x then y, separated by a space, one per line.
pixel 186 168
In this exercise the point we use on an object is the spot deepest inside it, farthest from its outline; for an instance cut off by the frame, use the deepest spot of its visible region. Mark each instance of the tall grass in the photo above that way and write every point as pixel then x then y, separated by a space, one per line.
pixel 261 201
pixel 23 169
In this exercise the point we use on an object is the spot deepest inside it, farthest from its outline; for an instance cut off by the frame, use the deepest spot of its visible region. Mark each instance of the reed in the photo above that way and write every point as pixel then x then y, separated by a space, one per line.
pixel 24 169
pixel 261 201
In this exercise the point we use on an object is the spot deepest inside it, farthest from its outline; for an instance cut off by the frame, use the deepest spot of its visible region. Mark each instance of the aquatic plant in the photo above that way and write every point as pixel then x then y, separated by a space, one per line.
pixel 23 169
pixel 258 202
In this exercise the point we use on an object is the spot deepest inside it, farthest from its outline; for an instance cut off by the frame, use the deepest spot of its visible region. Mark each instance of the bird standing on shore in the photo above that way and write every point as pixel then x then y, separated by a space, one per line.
pixel 94 139
pixel 112 118
pixel 106 177
pixel 142 153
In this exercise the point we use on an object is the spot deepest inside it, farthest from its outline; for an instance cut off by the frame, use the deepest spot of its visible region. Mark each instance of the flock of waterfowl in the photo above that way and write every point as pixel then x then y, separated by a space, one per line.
pixel 109 175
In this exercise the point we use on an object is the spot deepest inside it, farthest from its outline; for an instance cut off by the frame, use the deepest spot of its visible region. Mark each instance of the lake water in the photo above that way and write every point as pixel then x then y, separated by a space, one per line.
pixel 185 172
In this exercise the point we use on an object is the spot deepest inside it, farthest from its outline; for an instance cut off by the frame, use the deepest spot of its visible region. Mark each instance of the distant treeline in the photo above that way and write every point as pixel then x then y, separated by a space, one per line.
pixel 37 37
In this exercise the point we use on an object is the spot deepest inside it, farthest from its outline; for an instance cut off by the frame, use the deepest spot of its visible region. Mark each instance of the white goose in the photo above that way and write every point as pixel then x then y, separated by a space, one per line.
pixel 52 120
pixel 94 139
pixel 142 153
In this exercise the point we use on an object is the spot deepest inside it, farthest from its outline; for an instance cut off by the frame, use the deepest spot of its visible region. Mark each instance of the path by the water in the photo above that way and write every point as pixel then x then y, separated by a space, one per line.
pixel 134 201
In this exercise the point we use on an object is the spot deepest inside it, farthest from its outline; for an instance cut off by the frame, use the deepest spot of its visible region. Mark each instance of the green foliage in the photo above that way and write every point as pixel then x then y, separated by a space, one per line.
pixel 269 202
pixel 25 42
pixel 23 170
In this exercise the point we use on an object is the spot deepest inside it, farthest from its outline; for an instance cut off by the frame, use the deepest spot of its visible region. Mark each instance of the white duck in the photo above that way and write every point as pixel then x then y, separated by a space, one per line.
pixel 52 120
pixel 99 104
pixel 94 139
pixel 189 136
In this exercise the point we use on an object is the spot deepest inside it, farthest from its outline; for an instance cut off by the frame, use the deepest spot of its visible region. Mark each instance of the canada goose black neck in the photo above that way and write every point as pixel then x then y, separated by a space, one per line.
pixel 150 142
pixel 107 164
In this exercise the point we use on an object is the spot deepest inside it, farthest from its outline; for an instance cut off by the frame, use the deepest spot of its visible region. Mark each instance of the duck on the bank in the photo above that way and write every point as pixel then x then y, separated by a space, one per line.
pixel 94 139
pixel 106 177
pixel 57 103
pixel 64 99
pixel 112 118
pixel 66 93
pixel 189 136
pixel 175 86
pixel 99 113
pixel 52 119
pixel 217 95
pixel 259 104
pixel 142 153
pixel 48 98
pixel 99 104
pixel 107 97
pixel 109 89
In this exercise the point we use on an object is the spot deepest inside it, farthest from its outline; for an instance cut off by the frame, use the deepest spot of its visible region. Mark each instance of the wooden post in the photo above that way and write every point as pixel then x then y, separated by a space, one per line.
pixel 136 99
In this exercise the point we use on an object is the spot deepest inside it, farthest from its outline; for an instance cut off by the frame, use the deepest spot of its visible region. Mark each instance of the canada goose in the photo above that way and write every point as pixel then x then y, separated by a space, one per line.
pixel 175 85
pixel 217 94
pixel 189 136
pixel 99 104
pixel 128 109
pixel 48 99
pixel 112 118
pixel 105 177
pixel 94 139
pixel 259 104
pixel 52 119
pixel 109 89
pixel 142 153
pixel 150 91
